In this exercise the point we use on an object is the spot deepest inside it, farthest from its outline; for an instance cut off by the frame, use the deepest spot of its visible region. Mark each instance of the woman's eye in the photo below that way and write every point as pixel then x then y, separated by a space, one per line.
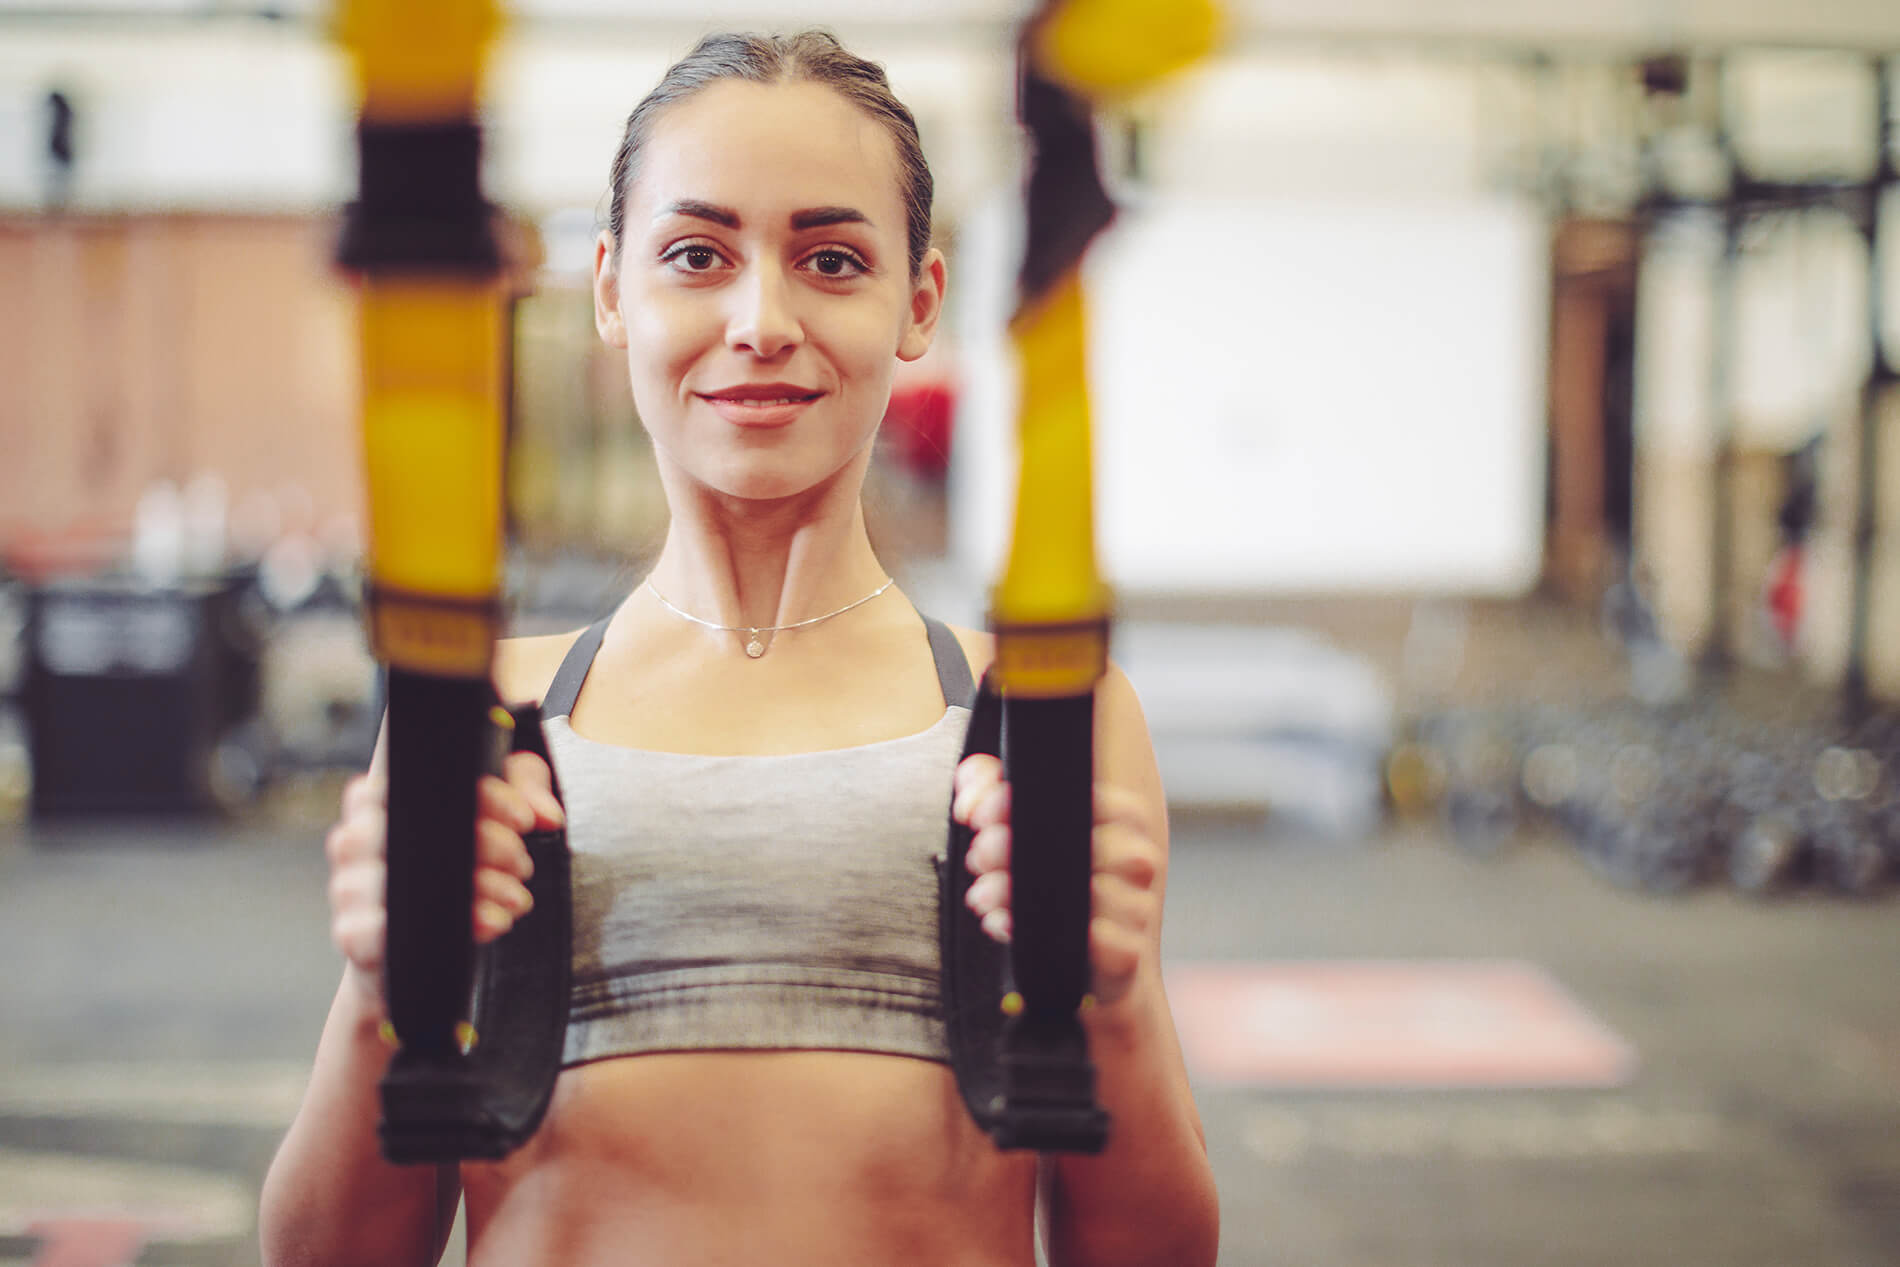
pixel 836 264
pixel 692 259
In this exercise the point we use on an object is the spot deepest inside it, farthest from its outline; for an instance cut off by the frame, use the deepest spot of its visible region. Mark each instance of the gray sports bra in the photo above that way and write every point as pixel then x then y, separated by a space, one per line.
pixel 757 902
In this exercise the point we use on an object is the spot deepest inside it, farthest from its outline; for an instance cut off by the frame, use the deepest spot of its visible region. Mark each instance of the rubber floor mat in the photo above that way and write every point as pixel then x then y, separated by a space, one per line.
pixel 1390 1024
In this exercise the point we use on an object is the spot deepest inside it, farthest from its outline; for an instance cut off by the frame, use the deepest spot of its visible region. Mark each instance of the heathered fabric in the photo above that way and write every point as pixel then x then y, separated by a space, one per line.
pixel 757 902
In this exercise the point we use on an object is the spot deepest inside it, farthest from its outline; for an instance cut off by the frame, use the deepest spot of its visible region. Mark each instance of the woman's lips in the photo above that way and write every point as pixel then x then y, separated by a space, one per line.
pixel 760 411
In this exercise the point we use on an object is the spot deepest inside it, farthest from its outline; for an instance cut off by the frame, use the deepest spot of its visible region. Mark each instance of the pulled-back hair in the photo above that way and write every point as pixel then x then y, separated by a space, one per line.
pixel 812 56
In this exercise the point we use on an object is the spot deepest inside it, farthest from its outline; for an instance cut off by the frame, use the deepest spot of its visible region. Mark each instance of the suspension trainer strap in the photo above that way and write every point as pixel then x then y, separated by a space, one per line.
pixel 1023 1069
pixel 483 1096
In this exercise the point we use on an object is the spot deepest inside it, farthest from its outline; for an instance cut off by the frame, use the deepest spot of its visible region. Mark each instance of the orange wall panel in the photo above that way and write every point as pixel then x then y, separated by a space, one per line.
pixel 141 348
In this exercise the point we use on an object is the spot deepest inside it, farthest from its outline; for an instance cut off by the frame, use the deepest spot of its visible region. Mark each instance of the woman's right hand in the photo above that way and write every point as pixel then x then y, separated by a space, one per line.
pixel 507 808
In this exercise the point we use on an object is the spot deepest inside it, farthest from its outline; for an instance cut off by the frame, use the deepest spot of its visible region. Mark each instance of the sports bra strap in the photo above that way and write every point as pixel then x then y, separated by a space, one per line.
pixel 566 687
pixel 953 668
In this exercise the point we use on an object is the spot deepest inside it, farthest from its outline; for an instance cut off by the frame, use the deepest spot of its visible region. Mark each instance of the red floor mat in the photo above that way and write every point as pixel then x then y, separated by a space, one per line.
pixel 1390 1024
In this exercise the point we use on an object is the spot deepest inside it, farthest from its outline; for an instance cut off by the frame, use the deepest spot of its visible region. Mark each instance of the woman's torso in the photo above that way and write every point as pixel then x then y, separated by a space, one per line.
pixel 752 1156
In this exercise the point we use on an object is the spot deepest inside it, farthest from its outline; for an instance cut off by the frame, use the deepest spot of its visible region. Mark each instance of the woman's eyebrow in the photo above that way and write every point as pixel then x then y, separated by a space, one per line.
pixel 701 211
pixel 809 218
pixel 819 217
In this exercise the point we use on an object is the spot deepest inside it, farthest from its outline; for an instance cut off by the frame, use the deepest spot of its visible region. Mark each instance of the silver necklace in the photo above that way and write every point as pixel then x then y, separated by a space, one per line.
pixel 753 646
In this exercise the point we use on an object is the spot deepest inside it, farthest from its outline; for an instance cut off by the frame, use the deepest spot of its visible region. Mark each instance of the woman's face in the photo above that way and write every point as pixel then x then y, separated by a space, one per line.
pixel 762 291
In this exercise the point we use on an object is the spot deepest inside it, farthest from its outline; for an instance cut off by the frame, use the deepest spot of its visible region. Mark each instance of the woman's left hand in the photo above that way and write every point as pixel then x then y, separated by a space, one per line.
pixel 1125 888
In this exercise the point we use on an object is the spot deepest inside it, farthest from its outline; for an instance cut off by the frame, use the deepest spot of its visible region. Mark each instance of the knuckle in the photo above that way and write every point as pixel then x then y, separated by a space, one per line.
pixel 527 767
pixel 359 935
pixel 1115 951
pixel 495 841
pixel 491 916
pixel 1144 867
pixel 361 792
pixel 503 890
pixel 1141 915
pixel 505 803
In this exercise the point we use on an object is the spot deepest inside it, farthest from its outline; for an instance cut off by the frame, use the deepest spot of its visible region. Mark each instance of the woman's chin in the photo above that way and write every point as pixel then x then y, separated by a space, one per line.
pixel 776 484
pixel 790 472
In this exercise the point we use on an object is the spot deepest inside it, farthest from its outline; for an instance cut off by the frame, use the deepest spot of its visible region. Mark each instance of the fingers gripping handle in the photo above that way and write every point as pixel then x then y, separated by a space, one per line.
pixel 443 1101
pixel 1016 1042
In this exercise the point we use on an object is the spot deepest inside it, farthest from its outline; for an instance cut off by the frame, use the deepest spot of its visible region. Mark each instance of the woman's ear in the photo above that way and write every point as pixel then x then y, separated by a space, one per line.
pixel 607 319
pixel 926 305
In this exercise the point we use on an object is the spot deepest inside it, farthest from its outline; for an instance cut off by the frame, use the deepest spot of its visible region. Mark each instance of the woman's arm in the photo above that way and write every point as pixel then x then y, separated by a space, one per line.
pixel 1149 1197
pixel 330 1198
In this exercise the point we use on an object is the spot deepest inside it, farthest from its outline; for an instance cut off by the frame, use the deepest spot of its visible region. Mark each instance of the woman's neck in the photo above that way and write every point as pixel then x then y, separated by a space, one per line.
pixel 761 564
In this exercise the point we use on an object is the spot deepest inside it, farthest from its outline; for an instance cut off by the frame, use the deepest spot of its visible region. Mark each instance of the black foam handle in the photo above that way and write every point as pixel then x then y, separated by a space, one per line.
pixel 1025 1078
pixel 1048 758
pixel 439 745
pixel 446 1105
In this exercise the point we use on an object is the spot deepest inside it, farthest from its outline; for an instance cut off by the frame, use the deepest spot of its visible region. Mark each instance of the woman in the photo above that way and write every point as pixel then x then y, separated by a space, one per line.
pixel 755 1072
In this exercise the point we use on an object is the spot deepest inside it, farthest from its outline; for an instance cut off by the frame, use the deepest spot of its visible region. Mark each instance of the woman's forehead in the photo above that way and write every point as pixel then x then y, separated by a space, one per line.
pixel 768 150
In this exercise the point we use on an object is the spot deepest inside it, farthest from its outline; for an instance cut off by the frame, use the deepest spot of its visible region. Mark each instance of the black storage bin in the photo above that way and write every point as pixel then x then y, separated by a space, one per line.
pixel 128 691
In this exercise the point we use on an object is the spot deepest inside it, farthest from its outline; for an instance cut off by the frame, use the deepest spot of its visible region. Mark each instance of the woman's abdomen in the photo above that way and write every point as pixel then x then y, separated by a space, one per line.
pixel 749 1157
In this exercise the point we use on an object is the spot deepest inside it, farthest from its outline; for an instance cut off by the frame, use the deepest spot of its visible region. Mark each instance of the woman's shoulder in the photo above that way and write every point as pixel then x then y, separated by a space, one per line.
pixel 979 648
pixel 525 667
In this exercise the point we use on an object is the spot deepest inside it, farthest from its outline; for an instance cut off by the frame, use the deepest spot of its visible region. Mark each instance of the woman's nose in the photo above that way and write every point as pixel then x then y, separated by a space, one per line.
pixel 763 321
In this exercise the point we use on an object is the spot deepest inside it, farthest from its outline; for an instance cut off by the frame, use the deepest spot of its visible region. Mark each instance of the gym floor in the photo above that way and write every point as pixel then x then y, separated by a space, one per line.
pixel 166 984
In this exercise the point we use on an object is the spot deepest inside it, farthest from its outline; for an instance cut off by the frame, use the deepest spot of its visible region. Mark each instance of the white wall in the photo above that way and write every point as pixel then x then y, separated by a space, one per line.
pixel 1305 396
pixel 250 115
pixel 225 115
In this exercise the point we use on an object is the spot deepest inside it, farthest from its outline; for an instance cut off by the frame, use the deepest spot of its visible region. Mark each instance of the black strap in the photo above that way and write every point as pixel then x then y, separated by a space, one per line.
pixel 1025 1072
pixel 953 667
pixel 441 1104
pixel 566 687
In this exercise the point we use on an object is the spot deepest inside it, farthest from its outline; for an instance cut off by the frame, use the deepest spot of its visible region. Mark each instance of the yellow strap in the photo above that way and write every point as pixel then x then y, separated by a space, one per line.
pixel 417 60
pixel 1050 609
pixel 1111 48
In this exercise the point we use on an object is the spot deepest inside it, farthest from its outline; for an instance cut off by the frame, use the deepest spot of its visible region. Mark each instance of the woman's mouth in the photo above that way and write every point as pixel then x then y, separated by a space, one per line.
pixel 770 406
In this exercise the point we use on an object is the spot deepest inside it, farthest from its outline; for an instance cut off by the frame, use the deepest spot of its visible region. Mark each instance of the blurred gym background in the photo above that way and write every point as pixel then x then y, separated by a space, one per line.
pixel 1494 415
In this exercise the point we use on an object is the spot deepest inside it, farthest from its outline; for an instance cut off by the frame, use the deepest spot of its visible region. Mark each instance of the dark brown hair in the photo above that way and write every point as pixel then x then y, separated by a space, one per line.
pixel 812 56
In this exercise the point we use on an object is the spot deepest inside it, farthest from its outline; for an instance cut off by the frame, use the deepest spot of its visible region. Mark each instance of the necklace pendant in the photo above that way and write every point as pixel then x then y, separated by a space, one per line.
pixel 754 647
